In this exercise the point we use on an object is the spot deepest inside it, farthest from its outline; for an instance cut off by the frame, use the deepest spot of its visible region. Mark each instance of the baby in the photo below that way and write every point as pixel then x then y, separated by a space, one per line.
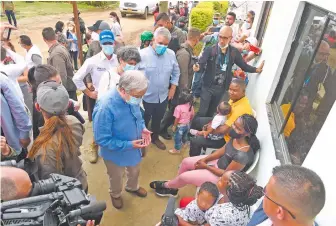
pixel 223 109
pixel 194 212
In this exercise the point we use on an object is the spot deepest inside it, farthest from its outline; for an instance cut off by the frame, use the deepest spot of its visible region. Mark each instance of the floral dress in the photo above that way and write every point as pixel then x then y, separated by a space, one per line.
pixel 225 214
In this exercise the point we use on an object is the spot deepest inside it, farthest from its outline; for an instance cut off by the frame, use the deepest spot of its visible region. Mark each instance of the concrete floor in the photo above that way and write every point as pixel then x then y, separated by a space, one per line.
pixel 157 164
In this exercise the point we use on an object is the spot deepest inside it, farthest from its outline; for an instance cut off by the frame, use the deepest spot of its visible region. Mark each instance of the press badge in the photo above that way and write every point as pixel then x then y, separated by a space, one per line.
pixel 224 66
pixel 321 90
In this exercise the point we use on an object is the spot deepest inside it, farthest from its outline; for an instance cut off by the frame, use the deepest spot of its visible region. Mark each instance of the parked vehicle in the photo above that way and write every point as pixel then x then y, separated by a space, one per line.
pixel 143 7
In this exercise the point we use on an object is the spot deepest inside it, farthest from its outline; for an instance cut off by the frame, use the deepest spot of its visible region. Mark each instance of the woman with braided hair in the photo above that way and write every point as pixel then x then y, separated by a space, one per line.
pixel 236 154
pixel 240 192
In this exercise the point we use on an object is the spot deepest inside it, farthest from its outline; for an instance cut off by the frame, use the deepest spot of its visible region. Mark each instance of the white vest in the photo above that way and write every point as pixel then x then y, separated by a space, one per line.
pixel 33 50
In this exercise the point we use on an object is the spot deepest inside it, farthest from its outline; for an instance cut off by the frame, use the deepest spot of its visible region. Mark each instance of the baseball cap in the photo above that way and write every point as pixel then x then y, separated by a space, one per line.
pixel 106 36
pixel 52 97
pixel 100 25
pixel 146 36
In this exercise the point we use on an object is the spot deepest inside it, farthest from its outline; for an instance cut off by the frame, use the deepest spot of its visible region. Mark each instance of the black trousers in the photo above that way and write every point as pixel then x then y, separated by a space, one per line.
pixel 197 143
pixel 210 98
pixel 72 95
pixel 154 112
pixel 168 118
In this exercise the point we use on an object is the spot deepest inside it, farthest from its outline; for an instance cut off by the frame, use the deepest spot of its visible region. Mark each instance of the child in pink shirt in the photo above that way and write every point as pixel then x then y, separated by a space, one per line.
pixel 184 113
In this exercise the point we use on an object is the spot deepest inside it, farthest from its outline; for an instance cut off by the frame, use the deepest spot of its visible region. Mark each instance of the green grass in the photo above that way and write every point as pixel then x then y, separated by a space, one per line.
pixel 26 10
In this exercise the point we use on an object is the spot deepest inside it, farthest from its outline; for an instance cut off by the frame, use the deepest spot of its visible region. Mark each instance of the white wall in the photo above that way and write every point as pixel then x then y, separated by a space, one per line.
pixel 276 45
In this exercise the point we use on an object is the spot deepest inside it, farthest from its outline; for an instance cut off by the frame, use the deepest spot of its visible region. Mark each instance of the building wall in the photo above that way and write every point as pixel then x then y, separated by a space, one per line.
pixel 276 46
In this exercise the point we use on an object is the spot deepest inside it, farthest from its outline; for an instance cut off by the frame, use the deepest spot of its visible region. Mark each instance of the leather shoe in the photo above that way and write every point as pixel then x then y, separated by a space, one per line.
pixel 141 192
pixel 166 136
pixel 117 202
pixel 159 144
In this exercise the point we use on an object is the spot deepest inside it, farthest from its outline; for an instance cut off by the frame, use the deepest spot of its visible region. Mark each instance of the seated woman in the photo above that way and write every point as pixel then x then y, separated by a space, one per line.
pixel 56 149
pixel 239 192
pixel 237 154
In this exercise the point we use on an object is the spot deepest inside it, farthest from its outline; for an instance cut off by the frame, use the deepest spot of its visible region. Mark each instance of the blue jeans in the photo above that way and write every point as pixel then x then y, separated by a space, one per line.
pixel 196 84
pixel 10 15
pixel 181 136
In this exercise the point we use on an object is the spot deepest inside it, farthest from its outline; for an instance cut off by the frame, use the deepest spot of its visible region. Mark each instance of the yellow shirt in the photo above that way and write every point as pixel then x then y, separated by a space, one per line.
pixel 238 108
pixel 290 126
pixel 8 5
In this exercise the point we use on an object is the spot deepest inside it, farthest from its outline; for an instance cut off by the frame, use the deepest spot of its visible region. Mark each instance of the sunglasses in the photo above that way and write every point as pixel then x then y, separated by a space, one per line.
pixel 290 213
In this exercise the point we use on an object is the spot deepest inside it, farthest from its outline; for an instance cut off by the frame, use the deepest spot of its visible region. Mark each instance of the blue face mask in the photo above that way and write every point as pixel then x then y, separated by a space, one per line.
pixel 129 67
pixel 134 101
pixel 215 21
pixel 245 51
pixel 108 49
pixel 160 49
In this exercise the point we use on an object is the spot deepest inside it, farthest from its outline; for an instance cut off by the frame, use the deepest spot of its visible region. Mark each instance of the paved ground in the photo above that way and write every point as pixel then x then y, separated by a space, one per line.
pixel 156 165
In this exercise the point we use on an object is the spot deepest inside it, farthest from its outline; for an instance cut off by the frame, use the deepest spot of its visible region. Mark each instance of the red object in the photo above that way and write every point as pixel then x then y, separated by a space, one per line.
pixel 185 201
pixel 155 15
pixel 255 49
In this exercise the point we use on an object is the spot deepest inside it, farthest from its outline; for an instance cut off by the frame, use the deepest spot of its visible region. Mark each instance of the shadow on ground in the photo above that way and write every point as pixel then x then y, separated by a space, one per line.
pixel 137 211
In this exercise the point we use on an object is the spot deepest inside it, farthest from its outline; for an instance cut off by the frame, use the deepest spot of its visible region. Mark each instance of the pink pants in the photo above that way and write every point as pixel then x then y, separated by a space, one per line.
pixel 187 174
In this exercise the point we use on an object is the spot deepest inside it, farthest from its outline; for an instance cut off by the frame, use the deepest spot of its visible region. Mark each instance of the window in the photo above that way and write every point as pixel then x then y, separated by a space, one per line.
pixel 306 90
pixel 263 21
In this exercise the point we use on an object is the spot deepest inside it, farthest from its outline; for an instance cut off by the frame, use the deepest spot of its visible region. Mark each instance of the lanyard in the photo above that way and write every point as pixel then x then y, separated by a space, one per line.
pixel 226 58
pixel 308 79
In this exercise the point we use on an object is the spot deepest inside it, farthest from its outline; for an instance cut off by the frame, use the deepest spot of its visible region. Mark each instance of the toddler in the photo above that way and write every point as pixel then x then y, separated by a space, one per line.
pixel 194 212
pixel 184 113
pixel 223 109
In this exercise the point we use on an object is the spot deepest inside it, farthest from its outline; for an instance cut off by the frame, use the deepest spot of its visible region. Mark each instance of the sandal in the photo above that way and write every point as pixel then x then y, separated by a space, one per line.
pixel 174 151
pixel 157 184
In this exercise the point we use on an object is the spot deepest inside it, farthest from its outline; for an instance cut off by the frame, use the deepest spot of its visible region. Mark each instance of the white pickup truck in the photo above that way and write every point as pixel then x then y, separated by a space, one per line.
pixel 140 7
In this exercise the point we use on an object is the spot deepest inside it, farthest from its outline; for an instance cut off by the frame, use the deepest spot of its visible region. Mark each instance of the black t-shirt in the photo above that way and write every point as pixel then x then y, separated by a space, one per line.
pixel 232 154
pixel 174 45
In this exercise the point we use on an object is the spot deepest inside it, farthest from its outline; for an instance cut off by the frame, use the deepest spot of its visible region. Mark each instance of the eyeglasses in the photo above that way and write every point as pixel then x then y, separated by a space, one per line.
pixel 223 37
pixel 290 213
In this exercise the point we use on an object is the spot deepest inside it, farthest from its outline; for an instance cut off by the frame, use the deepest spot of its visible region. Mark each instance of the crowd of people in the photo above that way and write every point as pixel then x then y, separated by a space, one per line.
pixel 134 95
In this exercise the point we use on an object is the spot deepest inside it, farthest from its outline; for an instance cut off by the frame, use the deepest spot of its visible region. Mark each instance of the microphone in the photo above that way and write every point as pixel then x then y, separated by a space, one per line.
pixel 92 208
pixel 169 218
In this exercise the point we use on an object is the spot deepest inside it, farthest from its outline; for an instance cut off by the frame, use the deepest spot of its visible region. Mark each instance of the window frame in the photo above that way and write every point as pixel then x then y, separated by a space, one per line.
pixel 275 116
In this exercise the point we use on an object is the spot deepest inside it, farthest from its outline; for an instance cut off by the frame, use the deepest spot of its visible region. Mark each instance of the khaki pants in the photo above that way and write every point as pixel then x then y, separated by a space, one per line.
pixel 116 173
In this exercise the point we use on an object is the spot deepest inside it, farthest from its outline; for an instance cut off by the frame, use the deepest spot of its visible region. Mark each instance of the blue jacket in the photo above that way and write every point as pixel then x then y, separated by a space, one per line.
pixel 259 216
pixel 115 125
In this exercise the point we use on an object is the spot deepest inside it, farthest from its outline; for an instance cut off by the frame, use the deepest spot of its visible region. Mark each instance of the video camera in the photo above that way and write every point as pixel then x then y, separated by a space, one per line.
pixel 57 201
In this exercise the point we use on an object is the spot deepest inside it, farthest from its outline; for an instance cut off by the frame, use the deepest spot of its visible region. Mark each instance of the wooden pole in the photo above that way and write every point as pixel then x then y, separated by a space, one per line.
pixel 78 33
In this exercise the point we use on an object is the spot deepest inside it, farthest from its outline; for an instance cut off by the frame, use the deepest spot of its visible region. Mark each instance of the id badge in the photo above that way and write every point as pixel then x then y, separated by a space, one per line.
pixel 321 90
pixel 224 66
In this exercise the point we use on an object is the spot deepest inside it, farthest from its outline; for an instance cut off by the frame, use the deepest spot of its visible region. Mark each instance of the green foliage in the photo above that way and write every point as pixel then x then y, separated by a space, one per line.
pixel 207 5
pixel 221 7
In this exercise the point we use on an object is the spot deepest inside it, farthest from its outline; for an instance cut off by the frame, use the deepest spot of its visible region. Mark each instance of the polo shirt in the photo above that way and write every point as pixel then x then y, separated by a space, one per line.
pixel 238 108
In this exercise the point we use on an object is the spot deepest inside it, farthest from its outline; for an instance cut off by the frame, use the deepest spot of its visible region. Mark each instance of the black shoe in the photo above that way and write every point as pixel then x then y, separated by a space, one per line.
pixel 159 144
pixel 166 136
pixel 157 184
pixel 170 192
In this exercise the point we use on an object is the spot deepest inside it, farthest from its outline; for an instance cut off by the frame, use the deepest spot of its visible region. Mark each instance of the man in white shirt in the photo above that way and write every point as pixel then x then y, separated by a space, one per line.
pixel 97 66
pixel 293 196
pixel 13 71
pixel 33 58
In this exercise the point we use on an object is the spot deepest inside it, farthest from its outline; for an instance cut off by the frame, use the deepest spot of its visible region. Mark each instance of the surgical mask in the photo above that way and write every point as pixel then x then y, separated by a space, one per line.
pixel 134 101
pixel 70 28
pixel 215 21
pixel 94 36
pixel 108 49
pixel 245 51
pixel 129 67
pixel 160 49
pixel 233 134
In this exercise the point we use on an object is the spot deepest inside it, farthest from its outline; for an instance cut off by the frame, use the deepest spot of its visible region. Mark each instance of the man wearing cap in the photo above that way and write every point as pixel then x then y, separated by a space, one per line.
pixel 59 57
pixel 96 66
pixel 146 38
pixel 95 29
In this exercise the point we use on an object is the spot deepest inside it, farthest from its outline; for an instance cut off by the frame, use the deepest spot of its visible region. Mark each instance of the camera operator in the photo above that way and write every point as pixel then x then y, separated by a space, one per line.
pixel 15 183
pixel 56 149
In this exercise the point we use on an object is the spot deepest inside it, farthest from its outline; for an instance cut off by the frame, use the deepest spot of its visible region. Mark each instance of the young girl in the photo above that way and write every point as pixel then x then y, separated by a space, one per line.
pixel 184 113
pixel 72 38
pixel 194 212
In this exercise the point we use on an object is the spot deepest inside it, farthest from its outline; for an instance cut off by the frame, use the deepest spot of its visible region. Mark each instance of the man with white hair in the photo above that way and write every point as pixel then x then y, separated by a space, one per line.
pixel 120 131
pixel 163 72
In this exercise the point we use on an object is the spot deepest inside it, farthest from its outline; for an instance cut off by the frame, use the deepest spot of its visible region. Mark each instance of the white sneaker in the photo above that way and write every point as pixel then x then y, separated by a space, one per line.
pixel 193 132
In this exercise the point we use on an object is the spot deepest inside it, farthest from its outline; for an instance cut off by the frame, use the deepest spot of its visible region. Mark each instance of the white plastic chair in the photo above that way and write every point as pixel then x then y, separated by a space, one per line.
pixel 255 162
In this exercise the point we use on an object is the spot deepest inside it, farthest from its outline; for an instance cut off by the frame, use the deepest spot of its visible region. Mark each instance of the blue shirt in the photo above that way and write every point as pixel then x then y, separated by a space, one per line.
pixel 15 122
pixel 160 71
pixel 115 125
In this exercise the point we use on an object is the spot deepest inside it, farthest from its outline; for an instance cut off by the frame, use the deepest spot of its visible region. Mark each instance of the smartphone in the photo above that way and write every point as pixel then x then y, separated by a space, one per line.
pixel 5 33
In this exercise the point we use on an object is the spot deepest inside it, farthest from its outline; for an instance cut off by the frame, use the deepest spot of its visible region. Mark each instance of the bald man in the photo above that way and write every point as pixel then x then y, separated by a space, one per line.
pixel 15 183
pixel 216 62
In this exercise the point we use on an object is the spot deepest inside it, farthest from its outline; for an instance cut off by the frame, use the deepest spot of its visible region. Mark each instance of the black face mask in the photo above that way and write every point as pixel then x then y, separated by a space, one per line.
pixel 233 134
